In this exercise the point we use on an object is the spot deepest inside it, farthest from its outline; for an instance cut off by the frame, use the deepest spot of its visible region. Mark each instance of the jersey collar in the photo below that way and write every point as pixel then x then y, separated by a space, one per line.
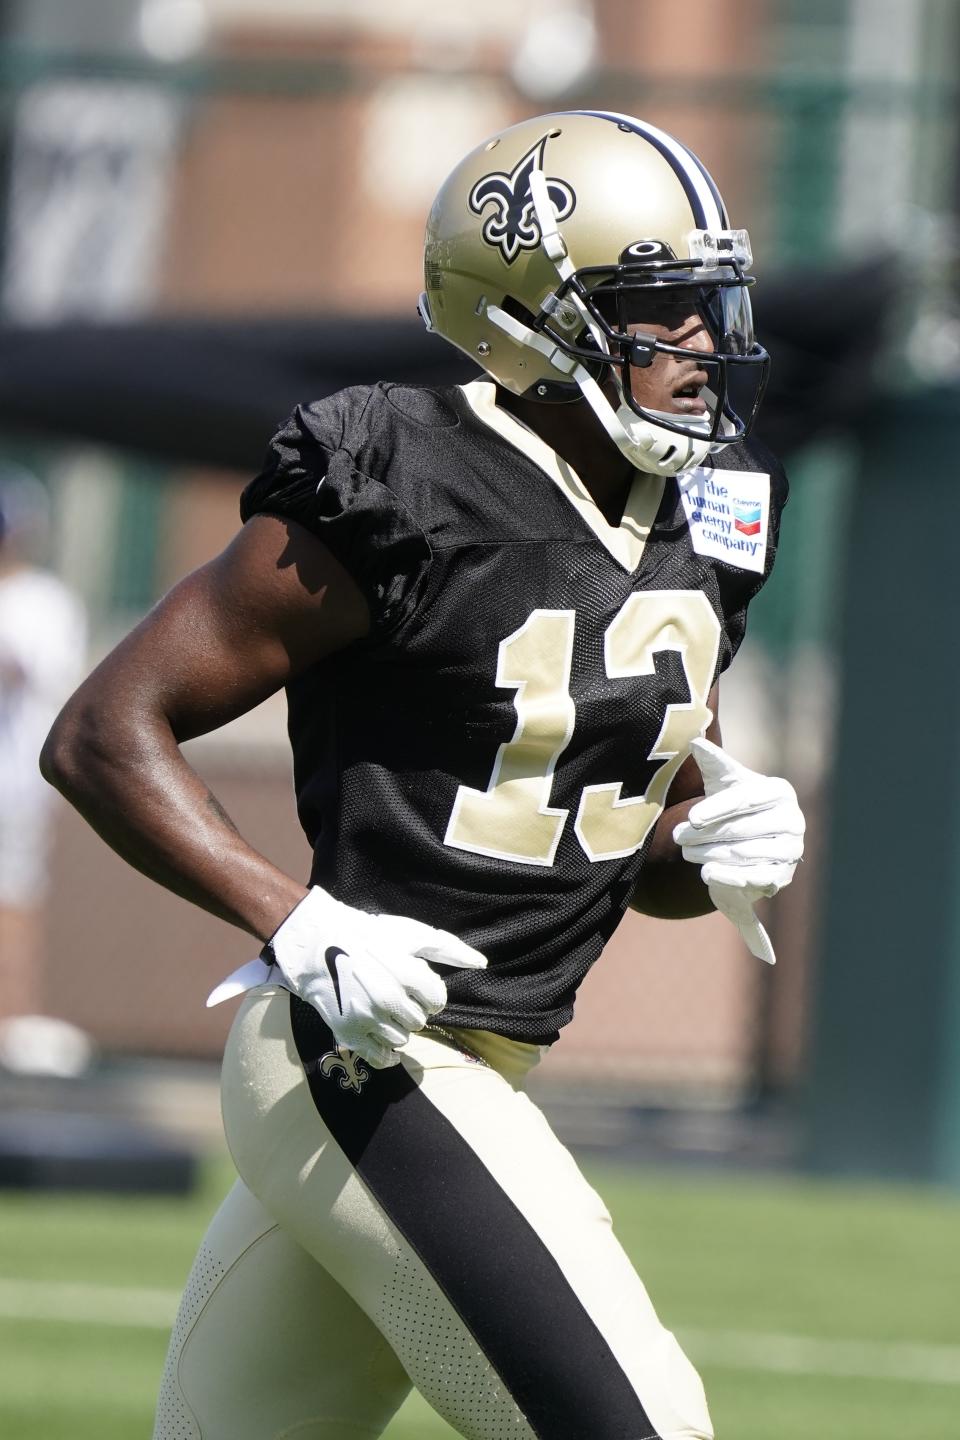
pixel 626 541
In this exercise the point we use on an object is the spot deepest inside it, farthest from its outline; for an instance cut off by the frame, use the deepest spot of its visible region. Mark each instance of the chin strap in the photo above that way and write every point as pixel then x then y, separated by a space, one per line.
pixel 646 445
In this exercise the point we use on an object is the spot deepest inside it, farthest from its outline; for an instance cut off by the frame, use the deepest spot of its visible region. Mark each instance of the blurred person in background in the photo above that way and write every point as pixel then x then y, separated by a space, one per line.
pixel 42 656
pixel 500 612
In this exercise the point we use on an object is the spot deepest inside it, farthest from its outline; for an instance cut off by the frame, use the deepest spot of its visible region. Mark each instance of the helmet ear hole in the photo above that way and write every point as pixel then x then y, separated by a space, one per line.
pixel 517 309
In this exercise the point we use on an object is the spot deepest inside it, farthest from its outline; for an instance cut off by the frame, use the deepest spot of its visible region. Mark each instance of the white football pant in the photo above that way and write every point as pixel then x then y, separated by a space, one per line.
pixel 419 1225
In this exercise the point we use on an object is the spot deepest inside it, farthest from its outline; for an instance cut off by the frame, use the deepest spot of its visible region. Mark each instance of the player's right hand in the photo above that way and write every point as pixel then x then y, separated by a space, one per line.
pixel 369 976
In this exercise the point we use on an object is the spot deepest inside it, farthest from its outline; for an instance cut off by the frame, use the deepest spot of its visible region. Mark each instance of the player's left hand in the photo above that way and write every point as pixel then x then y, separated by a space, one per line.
pixel 747 837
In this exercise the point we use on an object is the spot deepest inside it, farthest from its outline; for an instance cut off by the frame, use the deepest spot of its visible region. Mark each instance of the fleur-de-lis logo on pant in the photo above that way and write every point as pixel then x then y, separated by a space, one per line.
pixel 513 225
pixel 355 1073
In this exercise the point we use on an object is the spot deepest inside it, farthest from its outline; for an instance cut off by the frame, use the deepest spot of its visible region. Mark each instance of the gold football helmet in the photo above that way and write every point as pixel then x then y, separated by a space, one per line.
pixel 543 247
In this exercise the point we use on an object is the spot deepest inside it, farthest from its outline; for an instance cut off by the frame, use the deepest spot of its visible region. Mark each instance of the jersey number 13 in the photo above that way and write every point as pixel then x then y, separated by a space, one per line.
pixel 513 819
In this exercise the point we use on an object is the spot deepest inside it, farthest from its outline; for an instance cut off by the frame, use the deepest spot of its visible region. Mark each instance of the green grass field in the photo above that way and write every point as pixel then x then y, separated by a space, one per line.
pixel 811 1310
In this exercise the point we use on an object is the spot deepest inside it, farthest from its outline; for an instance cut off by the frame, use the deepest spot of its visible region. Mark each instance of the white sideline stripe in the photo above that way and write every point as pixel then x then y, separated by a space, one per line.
pixel 843 1359
pixel 87 1304
pixel 728 1349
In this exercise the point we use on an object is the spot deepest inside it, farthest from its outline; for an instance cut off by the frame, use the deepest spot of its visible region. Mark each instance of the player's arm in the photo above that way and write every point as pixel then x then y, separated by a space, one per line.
pixel 668 887
pixel 229 635
pixel 275 602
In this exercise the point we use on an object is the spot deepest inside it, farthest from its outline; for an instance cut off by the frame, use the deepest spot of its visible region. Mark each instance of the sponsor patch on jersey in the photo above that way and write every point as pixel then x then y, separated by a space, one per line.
pixel 728 512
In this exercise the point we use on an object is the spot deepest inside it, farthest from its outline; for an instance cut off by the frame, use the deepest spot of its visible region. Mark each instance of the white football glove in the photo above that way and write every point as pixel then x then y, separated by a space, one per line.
pixel 367 975
pixel 747 837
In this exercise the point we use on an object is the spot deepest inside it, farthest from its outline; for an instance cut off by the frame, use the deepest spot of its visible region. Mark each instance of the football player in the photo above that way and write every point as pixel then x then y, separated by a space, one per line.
pixel 500 613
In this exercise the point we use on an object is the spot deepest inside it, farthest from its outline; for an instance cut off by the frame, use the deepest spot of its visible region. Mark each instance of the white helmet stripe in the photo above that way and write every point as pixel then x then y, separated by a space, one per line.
pixel 704 200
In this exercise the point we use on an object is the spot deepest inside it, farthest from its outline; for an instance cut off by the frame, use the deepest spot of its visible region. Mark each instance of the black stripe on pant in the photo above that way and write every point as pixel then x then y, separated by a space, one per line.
pixel 484 1255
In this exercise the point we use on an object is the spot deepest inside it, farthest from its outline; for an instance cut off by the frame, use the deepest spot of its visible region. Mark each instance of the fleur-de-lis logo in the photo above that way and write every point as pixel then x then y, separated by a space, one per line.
pixel 355 1073
pixel 513 226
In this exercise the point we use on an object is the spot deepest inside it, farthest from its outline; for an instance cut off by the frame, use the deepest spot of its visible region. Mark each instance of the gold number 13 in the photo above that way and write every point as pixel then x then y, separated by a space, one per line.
pixel 512 819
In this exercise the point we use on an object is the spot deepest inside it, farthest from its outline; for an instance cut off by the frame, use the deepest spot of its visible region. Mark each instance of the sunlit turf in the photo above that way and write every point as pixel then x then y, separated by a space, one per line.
pixel 717 1253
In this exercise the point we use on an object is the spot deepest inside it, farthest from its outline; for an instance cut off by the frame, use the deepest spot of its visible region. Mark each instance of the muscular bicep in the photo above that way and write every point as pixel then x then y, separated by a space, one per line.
pixel 233 632
pixel 688 782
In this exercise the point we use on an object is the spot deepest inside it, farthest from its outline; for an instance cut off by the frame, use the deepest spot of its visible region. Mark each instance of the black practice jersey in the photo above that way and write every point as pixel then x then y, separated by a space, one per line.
pixel 493 757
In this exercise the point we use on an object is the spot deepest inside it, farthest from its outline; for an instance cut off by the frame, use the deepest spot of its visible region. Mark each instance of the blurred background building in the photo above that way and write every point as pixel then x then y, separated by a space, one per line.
pixel 208 203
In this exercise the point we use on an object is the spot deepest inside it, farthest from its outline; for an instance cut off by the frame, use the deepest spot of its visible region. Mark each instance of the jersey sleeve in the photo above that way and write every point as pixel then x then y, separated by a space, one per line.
pixel 314 473
pixel 738 588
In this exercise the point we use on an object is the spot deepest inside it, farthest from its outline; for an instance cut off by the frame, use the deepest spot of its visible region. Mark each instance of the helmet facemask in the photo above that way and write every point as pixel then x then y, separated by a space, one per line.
pixel 596 318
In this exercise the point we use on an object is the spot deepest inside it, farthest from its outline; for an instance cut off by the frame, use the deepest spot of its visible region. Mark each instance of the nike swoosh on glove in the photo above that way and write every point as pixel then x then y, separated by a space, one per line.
pixel 369 976
pixel 747 837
